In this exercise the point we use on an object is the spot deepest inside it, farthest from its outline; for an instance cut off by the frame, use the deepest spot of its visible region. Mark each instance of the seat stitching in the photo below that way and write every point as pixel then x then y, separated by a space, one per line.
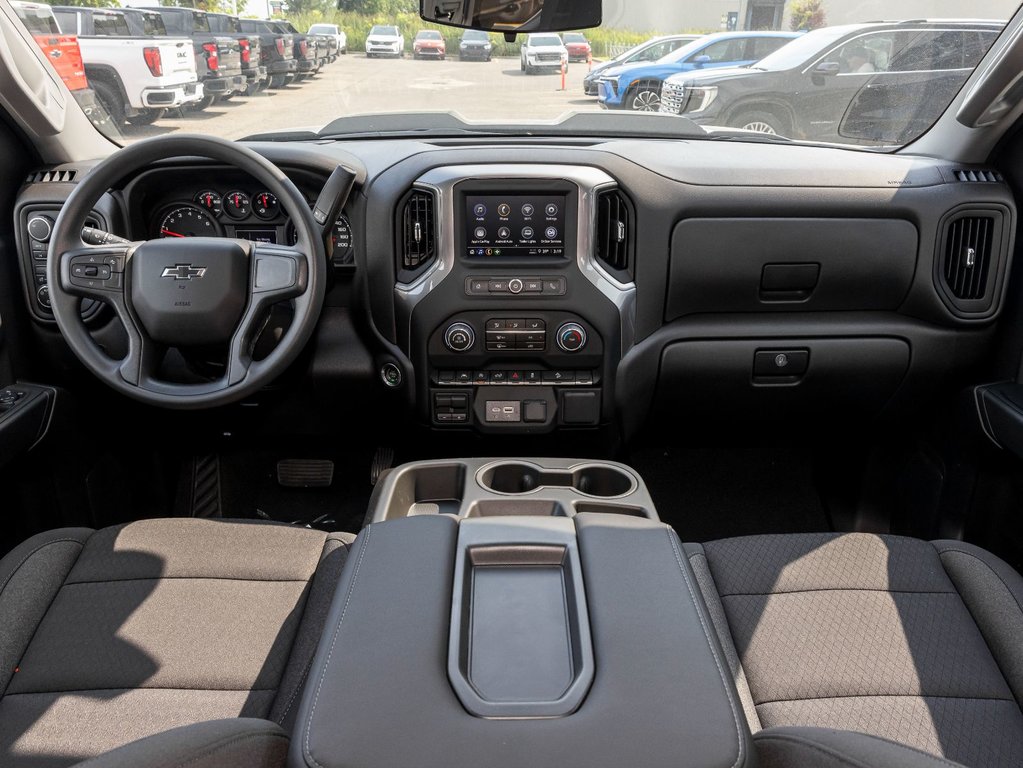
pixel 333 642
pixel 26 558
pixel 889 696
pixel 740 756
pixel 309 664
pixel 211 749
pixel 986 565
pixel 839 589
pixel 185 578
pixel 831 752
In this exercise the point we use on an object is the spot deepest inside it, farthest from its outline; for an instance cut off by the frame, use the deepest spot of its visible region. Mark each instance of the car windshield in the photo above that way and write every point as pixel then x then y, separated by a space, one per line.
pixel 823 72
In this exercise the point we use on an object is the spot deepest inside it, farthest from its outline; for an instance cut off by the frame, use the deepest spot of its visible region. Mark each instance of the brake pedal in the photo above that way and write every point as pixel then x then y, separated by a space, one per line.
pixel 305 473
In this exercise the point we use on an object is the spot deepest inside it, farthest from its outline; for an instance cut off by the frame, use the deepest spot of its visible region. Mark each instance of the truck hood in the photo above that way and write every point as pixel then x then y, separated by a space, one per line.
pixel 711 76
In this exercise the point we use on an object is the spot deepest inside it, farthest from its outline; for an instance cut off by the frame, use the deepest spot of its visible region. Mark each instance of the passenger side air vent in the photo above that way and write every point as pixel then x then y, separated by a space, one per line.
pixel 970 260
pixel 613 230
pixel 418 231
pixel 978 175
pixel 43 177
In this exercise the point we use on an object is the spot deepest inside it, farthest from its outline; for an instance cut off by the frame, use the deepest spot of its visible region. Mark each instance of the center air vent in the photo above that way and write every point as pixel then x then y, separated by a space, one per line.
pixel 970 260
pixel 418 232
pixel 613 224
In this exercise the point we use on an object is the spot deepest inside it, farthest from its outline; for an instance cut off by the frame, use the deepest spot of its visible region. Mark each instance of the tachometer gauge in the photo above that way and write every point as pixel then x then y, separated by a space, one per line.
pixel 236 204
pixel 265 205
pixel 210 201
pixel 187 221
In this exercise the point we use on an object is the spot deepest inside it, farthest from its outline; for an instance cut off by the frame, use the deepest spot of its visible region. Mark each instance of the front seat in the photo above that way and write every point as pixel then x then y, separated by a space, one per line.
pixel 114 635
pixel 908 643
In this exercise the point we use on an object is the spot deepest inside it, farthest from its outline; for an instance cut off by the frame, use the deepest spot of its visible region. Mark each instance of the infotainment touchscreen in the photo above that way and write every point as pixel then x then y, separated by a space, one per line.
pixel 516 225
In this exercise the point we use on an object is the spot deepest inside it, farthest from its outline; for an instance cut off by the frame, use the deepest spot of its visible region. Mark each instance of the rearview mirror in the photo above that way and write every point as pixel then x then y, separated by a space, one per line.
pixel 511 16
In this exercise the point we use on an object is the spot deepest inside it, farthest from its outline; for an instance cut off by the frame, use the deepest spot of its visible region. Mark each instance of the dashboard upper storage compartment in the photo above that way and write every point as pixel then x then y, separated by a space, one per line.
pixel 759 265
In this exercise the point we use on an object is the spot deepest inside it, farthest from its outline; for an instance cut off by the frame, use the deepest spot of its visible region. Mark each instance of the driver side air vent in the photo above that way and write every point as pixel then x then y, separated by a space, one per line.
pixel 418 231
pixel 970 260
pixel 43 177
pixel 978 175
pixel 613 230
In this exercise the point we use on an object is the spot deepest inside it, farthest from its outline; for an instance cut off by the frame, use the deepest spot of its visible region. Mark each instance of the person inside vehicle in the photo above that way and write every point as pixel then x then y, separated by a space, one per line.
pixel 858 60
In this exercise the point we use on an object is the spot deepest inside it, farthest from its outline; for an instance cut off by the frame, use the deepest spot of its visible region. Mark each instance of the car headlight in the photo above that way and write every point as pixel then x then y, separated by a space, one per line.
pixel 463 45
pixel 487 46
pixel 700 97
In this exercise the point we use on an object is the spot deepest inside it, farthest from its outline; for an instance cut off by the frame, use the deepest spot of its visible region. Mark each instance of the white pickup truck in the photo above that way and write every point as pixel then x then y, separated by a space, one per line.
pixel 136 79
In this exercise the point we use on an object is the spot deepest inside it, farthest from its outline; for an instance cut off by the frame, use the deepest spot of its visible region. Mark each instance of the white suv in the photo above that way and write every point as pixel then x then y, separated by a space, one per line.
pixel 542 52
pixel 385 40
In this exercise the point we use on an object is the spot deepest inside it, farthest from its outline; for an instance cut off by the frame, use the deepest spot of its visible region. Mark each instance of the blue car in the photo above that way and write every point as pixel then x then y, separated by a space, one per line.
pixel 638 86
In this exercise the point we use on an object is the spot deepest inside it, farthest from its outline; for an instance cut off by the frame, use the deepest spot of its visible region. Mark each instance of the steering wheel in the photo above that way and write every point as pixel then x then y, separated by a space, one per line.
pixel 186 292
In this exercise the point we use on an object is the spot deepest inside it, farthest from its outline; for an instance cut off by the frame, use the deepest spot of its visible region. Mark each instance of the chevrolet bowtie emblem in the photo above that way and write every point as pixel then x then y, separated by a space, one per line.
pixel 184 272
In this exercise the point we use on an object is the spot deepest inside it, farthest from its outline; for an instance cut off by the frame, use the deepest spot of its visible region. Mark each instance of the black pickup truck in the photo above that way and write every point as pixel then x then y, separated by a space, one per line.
pixel 277 51
pixel 256 75
pixel 309 61
pixel 218 58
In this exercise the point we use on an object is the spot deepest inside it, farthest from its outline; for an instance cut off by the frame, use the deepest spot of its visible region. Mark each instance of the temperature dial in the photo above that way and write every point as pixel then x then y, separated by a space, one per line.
pixel 459 337
pixel 571 337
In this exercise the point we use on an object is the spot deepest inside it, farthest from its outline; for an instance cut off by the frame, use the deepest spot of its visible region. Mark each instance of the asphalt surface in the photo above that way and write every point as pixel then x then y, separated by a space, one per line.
pixel 353 84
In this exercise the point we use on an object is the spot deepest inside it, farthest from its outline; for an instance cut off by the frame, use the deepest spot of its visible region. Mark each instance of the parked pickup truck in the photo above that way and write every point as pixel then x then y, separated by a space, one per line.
pixel 307 53
pixel 136 79
pixel 255 71
pixel 218 58
pixel 334 31
pixel 277 52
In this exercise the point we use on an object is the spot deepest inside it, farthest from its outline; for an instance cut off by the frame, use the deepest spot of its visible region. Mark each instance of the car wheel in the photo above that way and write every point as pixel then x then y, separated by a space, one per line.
pixel 645 97
pixel 759 121
pixel 109 97
pixel 276 81
pixel 253 88
pixel 203 103
pixel 148 117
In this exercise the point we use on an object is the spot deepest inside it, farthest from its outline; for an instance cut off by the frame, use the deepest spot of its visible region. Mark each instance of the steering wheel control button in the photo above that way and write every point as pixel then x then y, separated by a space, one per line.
pixel 40 228
pixel 390 374
pixel 571 337
pixel 459 337
pixel 780 363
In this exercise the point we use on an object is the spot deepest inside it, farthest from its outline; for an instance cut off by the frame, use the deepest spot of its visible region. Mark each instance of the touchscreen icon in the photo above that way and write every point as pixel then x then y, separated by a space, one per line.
pixel 527 233
pixel 481 232
pixel 527 209
pixel 552 209
pixel 479 210
pixel 551 233
pixel 503 209
pixel 504 233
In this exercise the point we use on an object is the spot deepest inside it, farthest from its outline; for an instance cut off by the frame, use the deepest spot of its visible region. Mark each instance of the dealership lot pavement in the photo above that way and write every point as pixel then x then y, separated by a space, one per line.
pixel 356 85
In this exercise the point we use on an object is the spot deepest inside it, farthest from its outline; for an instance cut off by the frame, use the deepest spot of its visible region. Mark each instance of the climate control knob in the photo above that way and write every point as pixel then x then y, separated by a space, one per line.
pixel 571 337
pixel 459 337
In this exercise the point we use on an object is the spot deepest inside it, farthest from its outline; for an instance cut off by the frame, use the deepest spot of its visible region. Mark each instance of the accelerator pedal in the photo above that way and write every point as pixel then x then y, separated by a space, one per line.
pixel 383 460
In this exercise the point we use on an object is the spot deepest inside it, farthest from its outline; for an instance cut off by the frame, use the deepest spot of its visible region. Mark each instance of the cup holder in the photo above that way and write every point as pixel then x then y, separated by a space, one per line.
pixel 598 480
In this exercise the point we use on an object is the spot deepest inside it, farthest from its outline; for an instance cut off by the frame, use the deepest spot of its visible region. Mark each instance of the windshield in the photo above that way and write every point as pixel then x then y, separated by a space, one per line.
pixel 809 71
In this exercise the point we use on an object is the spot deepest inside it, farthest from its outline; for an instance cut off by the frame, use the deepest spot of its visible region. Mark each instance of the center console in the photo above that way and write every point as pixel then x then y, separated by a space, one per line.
pixel 516 326
pixel 507 613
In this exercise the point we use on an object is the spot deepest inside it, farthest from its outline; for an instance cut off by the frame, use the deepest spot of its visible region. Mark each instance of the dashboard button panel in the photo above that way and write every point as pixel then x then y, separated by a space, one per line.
pixel 516 286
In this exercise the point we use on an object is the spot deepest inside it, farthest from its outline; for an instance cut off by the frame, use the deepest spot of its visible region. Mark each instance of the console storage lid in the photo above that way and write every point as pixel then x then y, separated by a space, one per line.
pixel 379 692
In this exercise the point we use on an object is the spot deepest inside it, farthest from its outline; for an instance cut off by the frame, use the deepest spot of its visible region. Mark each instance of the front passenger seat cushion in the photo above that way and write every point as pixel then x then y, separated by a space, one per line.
pixel 114 635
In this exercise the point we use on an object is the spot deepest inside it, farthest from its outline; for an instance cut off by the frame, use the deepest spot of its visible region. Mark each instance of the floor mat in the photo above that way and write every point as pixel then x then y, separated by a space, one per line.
pixel 709 493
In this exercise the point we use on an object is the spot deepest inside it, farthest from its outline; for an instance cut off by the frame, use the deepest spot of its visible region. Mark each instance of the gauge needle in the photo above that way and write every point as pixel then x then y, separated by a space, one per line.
pixel 169 233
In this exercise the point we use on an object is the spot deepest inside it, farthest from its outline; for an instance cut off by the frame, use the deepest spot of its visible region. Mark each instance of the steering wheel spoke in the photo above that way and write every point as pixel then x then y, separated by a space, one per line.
pixel 277 274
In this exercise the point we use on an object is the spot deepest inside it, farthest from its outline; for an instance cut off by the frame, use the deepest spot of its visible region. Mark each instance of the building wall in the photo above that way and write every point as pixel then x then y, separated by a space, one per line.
pixel 706 15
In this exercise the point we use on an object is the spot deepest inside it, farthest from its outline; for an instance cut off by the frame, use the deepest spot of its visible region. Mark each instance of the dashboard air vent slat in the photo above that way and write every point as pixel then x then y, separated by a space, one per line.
pixel 972 175
pixel 613 229
pixel 44 177
pixel 418 231
pixel 968 247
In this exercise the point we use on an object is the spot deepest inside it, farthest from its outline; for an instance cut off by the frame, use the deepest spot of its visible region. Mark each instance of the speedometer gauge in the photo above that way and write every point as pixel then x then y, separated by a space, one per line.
pixel 188 221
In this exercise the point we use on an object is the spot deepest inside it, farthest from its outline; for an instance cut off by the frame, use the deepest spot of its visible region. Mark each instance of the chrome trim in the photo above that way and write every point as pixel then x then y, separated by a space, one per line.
pixel 589 181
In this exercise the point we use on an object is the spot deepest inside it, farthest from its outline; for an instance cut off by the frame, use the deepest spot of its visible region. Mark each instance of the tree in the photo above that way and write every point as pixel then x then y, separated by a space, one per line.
pixel 93 3
pixel 214 6
pixel 807 14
